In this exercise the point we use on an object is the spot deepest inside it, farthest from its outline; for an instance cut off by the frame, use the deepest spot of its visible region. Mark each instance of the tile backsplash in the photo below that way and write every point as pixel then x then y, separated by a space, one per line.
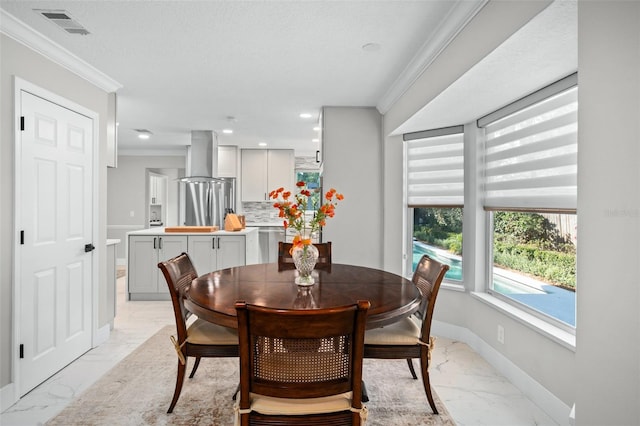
pixel 259 211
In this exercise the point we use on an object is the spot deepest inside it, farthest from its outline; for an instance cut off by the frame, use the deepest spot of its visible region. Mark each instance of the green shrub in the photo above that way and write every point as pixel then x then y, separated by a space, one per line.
pixel 555 267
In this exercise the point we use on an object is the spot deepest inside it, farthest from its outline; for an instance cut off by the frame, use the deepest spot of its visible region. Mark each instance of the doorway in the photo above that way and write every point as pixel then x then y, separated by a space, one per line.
pixel 157 199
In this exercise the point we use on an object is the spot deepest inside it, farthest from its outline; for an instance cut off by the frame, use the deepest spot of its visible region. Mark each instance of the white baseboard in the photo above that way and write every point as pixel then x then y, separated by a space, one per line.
pixel 8 396
pixel 102 335
pixel 538 394
pixel 121 261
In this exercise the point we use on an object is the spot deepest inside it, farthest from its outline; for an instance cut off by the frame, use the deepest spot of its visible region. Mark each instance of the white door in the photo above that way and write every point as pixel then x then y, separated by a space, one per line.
pixel 55 219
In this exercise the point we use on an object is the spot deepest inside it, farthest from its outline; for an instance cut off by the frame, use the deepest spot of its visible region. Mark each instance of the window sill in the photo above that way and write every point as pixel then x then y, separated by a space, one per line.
pixel 554 333
pixel 452 285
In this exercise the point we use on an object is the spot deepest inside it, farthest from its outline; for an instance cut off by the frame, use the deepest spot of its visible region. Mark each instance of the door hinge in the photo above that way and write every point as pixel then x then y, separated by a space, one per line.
pixel 22 237
pixel 21 351
pixel 22 123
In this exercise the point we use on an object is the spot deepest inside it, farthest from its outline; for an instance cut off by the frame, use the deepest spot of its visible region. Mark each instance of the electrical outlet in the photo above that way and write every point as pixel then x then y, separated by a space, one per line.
pixel 132 213
pixel 501 334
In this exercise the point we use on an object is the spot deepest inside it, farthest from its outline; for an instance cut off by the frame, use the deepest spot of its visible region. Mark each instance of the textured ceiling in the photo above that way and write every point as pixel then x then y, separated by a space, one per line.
pixel 189 65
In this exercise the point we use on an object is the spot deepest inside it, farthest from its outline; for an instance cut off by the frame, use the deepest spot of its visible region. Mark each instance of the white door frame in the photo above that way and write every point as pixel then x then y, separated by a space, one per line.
pixel 19 86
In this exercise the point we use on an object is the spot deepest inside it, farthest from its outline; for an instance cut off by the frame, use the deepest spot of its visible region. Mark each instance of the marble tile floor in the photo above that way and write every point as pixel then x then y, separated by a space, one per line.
pixel 472 390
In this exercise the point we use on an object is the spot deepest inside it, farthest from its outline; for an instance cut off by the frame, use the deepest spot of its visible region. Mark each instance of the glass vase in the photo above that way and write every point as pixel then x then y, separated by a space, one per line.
pixel 305 258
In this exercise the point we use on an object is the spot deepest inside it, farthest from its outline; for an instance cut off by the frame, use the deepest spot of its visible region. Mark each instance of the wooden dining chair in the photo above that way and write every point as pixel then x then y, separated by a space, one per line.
pixel 301 367
pixel 285 261
pixel 411 337
pixel 200 338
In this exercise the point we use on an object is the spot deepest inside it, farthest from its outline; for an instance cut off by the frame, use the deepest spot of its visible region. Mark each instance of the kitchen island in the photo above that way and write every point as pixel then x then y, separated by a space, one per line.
pixel 268 236
pixel 209 251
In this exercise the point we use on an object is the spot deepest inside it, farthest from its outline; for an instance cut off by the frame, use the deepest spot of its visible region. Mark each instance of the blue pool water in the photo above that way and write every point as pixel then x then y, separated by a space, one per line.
pixel 550 300
pixel 442 256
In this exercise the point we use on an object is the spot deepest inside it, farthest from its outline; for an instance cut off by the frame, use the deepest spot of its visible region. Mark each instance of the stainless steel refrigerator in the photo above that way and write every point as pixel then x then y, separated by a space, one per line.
pixel 207 201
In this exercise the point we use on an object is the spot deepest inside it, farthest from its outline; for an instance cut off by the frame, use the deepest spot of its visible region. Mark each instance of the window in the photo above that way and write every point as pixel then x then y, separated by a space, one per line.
pixel 435 193
pixel 530 190
pixel 312 179
pixel 534 262
pixel 437 232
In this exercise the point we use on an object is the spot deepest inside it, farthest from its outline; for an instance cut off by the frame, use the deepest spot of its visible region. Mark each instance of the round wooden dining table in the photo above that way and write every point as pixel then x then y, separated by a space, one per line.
pixel 212 296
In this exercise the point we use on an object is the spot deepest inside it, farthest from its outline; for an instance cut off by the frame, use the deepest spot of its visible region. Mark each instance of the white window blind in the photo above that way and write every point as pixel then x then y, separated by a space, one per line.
pixel 435 168
pixel 530 156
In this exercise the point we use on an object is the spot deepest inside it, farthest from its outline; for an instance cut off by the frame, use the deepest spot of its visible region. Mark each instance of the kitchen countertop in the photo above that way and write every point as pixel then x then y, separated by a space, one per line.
pixel 265 224
pixel 161 231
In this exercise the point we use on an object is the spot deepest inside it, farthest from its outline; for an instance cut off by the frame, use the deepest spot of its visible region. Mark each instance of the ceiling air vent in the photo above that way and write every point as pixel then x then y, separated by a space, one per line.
pixel 64 20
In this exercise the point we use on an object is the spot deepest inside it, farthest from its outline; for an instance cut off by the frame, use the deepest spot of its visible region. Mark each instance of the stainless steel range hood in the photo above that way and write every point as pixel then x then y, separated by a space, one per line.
pixel 202 157
pixel 208 198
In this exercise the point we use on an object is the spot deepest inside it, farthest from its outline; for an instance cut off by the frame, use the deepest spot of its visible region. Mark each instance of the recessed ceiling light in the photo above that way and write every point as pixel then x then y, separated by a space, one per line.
pixel 143 133
pixel 315 140
pixel 305 115
pixel 317 128
pixel 371 47
pixel 227 131
pixel 262 144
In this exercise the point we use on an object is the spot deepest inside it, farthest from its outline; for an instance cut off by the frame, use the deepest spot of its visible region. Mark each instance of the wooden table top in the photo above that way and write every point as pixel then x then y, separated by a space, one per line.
pixel 212 296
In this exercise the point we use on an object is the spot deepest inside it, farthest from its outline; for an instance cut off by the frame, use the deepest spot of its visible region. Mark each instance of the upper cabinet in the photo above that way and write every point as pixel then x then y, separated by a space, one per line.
pixel 157 188
pixel 227 161
pixel 264 170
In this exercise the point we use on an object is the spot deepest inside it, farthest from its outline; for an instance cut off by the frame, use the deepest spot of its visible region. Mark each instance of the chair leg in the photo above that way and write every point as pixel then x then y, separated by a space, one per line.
pixel 424 367
pixel 195 367
pixel 413 372
pixel 179 380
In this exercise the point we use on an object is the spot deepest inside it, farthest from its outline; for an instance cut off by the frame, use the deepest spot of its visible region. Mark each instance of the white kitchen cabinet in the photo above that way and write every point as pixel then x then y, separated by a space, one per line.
pixel 145 280
pixel 227 161
pixel 211 253
pixel 208 252
pixel 157 189
pixel 265 170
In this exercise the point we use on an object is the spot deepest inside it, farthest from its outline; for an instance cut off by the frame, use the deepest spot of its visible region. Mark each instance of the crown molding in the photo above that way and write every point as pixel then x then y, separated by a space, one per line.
pixel 448 29
pixel 22 33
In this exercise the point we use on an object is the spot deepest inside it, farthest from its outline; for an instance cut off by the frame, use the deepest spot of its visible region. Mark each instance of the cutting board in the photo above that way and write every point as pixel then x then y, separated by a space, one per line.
pixel 191 229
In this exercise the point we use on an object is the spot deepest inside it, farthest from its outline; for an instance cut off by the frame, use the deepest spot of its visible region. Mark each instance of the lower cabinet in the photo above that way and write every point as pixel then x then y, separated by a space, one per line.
pixel 210 253
pixel 207 252
pixel 145 280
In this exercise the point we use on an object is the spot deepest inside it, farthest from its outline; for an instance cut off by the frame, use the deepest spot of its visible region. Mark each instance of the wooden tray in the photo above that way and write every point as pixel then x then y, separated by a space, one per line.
pixel 191 229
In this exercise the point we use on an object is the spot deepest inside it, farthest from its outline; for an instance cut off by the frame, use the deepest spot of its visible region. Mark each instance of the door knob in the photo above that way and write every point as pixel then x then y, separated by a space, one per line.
pixel 88 248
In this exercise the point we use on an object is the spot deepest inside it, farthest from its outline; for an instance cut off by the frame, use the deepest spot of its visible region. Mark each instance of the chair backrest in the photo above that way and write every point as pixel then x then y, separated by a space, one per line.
pixel 301 353
pixel 179 272
pixel 427 277
pixel 285 261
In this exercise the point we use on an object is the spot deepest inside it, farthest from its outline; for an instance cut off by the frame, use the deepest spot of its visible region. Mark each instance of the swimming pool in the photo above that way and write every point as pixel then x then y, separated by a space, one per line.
pixel 550 300
pixel 442 256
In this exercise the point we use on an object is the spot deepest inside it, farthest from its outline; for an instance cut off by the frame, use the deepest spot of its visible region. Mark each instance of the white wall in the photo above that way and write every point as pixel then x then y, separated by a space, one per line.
pixel 602 376
pixel 352 144
pixel 18 60
pixel 608 315
pixel 126 193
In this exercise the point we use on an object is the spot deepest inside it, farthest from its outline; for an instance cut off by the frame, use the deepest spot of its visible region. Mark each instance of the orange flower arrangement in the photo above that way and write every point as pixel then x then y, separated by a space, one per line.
pixel 292 210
